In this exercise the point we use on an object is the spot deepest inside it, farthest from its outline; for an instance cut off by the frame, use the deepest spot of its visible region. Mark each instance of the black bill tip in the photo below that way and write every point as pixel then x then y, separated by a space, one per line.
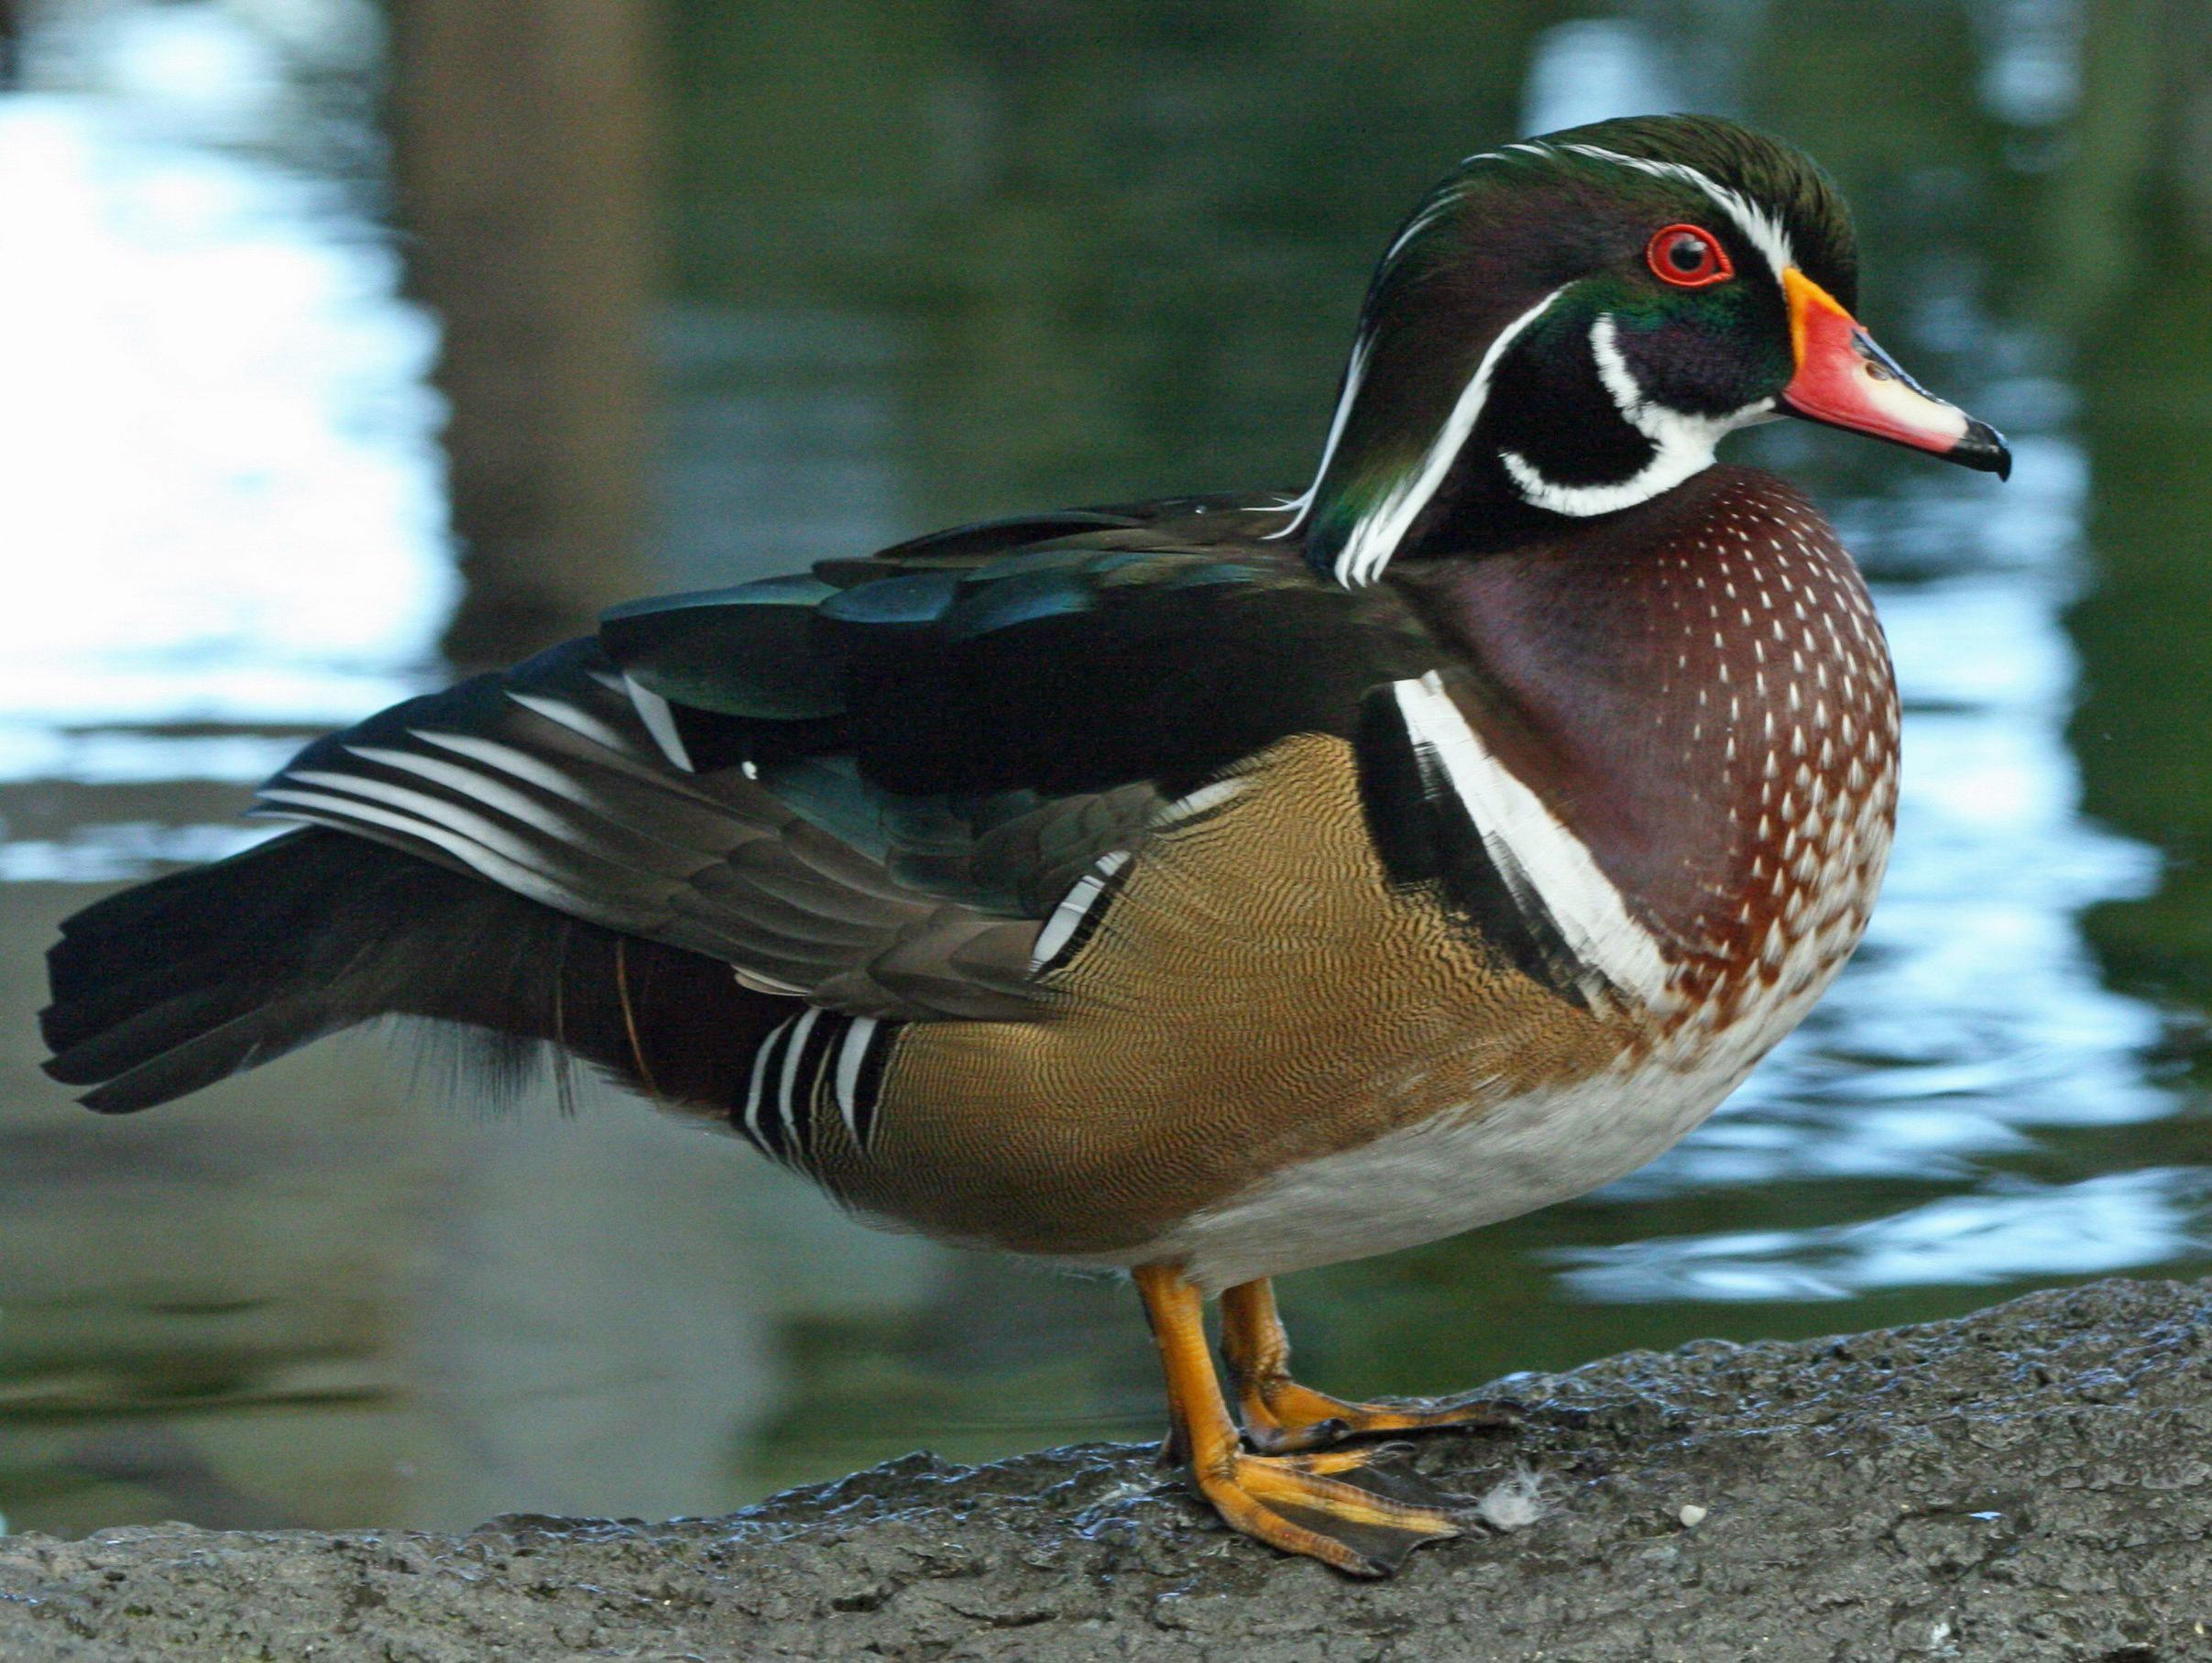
pixel 1983 447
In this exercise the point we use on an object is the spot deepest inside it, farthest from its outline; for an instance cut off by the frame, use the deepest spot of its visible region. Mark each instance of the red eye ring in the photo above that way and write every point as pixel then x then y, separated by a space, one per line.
pixel 1688 257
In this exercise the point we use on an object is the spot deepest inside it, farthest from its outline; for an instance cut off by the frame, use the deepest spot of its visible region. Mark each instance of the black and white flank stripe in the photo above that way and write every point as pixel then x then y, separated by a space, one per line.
pixel 1444 812
pixel 1078 917
pixel 817 1067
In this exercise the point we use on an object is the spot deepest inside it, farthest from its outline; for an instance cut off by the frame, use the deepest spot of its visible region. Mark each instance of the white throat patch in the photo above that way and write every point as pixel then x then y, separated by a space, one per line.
pixel 1681 441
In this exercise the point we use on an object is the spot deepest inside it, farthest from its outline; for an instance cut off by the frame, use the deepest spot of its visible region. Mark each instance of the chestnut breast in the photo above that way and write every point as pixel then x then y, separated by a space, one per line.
pixel 1699 688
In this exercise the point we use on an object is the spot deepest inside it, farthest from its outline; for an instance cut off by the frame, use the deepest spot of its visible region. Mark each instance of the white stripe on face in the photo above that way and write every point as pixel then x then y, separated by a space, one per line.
pixel 1762 229
pixel 1685 442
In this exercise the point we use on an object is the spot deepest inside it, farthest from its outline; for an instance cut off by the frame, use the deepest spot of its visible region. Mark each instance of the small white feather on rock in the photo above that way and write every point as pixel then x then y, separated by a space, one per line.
pixel 1515 1502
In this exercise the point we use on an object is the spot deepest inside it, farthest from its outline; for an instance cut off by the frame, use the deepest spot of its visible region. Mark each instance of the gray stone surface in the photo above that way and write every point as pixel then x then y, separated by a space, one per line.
pixel 2027 1484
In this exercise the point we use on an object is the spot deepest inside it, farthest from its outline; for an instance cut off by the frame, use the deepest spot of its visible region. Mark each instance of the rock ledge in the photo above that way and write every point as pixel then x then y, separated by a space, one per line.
pixel 2027 1484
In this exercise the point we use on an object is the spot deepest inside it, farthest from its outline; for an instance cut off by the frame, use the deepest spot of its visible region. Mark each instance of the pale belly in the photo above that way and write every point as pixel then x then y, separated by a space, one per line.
pixel 1449 1174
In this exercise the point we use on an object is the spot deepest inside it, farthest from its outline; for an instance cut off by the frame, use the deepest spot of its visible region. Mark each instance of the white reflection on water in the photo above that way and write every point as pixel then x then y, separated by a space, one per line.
pixel 127 756
pixel 105 854
pixel 2009 1228
pixel 223 489
pixel 222 493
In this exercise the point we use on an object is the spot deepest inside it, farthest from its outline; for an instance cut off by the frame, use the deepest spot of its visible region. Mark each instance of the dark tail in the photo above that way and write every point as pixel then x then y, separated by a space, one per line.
pixel 164 988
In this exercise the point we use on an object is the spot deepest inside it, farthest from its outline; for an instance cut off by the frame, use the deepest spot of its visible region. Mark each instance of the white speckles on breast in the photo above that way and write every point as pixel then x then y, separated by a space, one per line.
pixel 1822 736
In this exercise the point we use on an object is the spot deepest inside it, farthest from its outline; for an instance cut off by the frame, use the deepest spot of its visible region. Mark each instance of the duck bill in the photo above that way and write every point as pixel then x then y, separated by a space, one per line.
pixel 1846 380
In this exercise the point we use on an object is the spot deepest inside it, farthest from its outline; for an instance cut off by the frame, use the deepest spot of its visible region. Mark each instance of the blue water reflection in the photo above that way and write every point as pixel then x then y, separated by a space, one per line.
pixel 2009 1228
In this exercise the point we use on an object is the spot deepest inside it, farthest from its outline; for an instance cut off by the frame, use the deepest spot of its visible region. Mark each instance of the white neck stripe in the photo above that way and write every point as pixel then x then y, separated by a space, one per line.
pixel 1355 372
pixel 1375 539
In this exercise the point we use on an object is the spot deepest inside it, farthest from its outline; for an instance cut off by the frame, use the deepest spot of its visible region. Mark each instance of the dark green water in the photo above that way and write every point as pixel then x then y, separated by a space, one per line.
pixel 930 262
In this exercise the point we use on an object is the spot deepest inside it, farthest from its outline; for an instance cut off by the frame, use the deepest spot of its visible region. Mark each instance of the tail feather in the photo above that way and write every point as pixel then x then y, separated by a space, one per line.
pixel 165 988
pixel 187 936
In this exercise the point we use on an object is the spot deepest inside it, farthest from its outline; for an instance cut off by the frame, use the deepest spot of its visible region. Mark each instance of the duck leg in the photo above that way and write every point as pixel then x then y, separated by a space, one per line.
pixel 1328 1506
pixel 1281 1416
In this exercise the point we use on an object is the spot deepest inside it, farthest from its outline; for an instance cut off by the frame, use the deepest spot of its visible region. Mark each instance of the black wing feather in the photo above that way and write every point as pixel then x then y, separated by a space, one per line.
pixel 168 987
pixel 897 770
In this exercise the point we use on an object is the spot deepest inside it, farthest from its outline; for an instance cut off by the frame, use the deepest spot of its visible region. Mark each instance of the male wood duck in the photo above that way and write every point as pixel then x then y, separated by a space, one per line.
pixel 1205 889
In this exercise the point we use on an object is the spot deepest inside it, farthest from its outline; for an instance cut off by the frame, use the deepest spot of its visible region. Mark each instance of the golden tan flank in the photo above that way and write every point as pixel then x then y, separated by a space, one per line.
pixel 1256 996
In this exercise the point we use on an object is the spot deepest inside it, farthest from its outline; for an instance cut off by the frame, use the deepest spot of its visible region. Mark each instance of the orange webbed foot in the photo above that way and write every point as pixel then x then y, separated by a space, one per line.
pixel 1335 1505
pixel 1282 1417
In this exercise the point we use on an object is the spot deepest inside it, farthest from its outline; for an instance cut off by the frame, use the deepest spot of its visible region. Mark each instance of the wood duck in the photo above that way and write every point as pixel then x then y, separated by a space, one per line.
pixel 1204 889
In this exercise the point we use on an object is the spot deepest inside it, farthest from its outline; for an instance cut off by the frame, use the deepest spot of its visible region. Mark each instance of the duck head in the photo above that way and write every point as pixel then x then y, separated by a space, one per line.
pixel 1566 326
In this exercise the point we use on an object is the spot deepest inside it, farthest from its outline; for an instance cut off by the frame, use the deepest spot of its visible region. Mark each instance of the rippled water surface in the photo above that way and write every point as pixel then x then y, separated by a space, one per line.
pixel 957 261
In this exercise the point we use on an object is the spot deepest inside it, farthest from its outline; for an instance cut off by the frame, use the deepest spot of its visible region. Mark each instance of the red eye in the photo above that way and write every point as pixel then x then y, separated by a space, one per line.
pixel 1687 257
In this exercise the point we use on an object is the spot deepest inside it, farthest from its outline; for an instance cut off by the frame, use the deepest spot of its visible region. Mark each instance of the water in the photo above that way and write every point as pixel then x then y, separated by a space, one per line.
pixel 920 274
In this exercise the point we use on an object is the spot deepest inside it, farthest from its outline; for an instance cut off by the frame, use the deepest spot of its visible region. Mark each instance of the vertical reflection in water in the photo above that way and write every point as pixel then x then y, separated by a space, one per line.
pixel 1592 69
pixel 523 143
pixel 224 507
pixel 2031 61
pixel 2144 727
pixel 777 450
